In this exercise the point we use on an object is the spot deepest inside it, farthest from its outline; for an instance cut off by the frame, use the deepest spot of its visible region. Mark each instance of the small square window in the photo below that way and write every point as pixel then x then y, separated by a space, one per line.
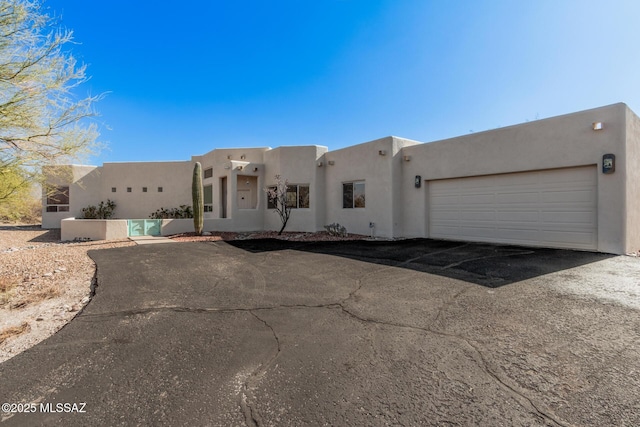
pixel 128 189
pixel 52 208
pixel 113 189
pixel 159 189
pixel 208 173
pixel 144 189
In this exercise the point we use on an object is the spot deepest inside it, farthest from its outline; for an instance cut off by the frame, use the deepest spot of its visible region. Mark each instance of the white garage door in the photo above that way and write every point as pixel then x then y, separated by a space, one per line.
pixel 554 208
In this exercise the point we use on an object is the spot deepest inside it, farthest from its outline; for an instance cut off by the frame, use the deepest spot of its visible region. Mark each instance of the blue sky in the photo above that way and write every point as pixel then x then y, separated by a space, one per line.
pixel 186 77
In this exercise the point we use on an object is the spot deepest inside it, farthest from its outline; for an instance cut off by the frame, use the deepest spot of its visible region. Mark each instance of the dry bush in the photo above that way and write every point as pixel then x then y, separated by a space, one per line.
pixel 6 286
pixel 14 331
pixel 36 295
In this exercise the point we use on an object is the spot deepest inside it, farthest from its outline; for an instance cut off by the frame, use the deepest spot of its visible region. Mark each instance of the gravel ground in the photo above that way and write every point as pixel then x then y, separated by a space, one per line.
pixel 43 284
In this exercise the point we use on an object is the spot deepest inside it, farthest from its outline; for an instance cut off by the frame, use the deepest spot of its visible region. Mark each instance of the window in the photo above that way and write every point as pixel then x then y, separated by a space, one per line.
pixel 58 196
pixel 353 195
pixel 159 189
pixel 144 189
pixel 208 198
pixel 58 199
pixel 297 197
pixel 208 173
pixel 128 189
pixel 113 189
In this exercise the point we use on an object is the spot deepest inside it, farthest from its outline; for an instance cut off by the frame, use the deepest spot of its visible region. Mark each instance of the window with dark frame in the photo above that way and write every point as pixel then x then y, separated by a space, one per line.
pixel 144 189
pixel 58 199
pixel 353 195
pixel 58 195
pixel 297 197
pixel 208 198
pixel 159 189
pixel 128 189
pixel 208 173
pixel 113 189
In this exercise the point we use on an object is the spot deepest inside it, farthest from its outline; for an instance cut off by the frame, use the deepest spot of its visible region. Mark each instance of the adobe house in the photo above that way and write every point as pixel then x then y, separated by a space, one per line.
pixel 570 181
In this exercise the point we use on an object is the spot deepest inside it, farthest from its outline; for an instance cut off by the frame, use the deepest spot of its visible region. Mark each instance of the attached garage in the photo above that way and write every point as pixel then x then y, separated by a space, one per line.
pixel 553 208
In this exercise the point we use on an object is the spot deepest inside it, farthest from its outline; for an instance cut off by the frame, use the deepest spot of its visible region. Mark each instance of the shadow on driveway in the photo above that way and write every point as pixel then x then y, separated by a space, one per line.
pixel 485 264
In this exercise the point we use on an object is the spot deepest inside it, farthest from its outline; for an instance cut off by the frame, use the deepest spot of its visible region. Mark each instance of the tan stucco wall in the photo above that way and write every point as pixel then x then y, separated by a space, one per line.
pixel 94 229
pixel 557 142
pixel 632 232
pixel 173 177
pixel 83 182
pixel 299 165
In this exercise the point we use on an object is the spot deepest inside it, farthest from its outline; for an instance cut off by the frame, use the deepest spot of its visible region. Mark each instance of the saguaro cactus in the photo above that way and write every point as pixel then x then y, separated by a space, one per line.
pixel 197 194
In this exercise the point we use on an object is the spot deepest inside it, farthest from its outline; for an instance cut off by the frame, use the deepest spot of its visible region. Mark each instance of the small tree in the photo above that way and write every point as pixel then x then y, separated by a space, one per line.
pixel 198 199
pixel 277 197
pixel 41 118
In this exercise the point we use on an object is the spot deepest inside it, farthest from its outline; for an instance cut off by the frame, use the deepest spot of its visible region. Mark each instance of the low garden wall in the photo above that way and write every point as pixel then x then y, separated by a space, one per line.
pixel 93 229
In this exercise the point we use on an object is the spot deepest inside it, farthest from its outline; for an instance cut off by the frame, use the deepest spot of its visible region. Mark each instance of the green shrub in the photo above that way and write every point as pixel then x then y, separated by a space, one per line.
pixel 102 211
pixel 184 211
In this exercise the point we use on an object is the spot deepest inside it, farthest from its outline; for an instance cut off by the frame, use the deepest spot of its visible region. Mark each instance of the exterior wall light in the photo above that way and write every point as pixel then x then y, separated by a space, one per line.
pixel 228 156
pixel 331 162
pixel 596 125
pixel 319 164
pixel 406 158
pixel 255 169
pixel 382 153
pixel 239 168
pixel 243 157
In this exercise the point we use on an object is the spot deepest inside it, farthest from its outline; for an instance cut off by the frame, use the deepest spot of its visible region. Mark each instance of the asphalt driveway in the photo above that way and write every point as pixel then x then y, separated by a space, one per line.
pixel 415 332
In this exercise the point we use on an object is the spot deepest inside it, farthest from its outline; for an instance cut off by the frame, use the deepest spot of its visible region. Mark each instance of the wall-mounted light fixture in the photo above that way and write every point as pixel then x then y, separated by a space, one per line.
pixel 406 158
pixel 255 169
pixel 242 157
pixel 239 168
pixel 331 162
pixel 596 126
pixel 228 156
pixel 382 152
pixel 319 164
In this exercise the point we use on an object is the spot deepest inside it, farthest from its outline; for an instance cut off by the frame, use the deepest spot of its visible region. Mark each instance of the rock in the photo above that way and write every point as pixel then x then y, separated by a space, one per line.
pixel 85 300
pixel 39 319
pixel 206 233
pixel 47 275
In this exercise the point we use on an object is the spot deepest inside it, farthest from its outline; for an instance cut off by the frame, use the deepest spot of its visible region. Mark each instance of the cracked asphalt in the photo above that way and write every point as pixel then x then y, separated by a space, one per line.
pixel 271 333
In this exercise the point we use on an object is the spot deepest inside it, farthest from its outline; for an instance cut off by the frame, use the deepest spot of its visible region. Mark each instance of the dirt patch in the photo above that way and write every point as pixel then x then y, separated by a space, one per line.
pixel 14 331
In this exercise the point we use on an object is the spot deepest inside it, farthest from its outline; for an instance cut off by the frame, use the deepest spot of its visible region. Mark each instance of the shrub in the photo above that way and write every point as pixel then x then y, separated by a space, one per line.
pixel 102 211
pixel 184 211
pixel 336 229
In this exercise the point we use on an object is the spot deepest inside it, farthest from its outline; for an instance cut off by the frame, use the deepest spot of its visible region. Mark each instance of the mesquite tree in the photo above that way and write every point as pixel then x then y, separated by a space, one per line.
pixel 277 198
pixel 42 120
pixel 197 194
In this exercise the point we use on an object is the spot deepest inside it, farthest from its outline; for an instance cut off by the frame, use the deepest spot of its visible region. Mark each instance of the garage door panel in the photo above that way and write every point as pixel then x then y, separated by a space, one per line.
pixel 569 196
pixel 478 216
pixel 446 200
pixel 518 197
pixel 519 216
pixel 486 198
pixel 587 218
pixel 575 237
pixel 545 208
